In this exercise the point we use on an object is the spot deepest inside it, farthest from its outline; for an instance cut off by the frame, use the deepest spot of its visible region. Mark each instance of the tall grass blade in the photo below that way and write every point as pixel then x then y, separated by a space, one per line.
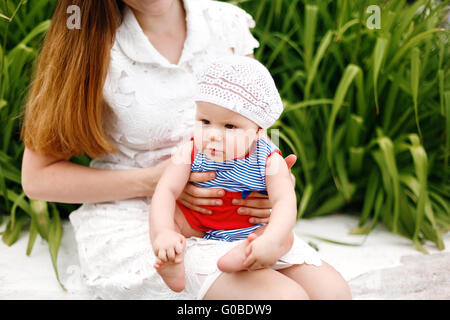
pixel 54 240
pixel 323 46
pixel 309 34
pixel 378 57
pixel 32 236
pixel 415 76
pixel 350 73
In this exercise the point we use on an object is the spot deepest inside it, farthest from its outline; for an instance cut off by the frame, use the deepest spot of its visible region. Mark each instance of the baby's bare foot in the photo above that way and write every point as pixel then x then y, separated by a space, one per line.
pixel 234 259
pixel 172 273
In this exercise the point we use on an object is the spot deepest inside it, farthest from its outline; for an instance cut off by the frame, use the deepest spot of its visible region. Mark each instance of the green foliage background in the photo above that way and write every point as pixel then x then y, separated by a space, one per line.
pixel 367 112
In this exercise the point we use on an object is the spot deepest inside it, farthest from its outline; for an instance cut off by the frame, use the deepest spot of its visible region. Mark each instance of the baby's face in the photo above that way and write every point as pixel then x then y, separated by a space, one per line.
pixel 222 134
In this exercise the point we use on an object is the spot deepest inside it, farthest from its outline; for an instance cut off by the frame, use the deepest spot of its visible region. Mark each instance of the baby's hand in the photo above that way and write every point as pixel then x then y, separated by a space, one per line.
pixel 262 252
pixel 168 246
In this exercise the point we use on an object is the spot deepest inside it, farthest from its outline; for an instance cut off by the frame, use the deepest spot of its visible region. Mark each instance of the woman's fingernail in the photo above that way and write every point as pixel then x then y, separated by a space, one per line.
pixel 218 202
pixel 221 193
pixel 241 210
pixel 212 175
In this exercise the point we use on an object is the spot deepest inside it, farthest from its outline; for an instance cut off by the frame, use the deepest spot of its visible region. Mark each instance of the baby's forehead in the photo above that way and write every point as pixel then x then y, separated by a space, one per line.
pixel 220 114
pixel 207 108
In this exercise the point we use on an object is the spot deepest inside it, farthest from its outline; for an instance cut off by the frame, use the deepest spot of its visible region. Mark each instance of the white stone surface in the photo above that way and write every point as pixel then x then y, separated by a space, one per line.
pixel 385 266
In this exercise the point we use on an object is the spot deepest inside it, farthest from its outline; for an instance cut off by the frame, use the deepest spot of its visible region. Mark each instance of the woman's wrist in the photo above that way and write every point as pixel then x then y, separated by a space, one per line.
pixel 147 179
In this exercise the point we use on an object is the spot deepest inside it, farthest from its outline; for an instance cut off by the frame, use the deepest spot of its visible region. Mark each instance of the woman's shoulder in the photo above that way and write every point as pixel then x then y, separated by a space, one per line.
pixel 219 11
pixel 229 23
pixel 216 6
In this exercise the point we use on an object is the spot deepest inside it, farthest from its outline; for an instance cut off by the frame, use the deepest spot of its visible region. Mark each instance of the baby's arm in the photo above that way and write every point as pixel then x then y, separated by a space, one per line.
pixel 265 250
pixel 167 243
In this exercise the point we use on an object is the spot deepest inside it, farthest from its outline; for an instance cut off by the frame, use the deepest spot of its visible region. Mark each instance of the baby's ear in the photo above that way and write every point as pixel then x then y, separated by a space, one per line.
pixel 260 132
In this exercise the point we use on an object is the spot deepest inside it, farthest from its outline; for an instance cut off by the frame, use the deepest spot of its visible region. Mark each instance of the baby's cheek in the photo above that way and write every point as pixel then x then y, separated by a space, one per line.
pixel 240 147
pixel 198 136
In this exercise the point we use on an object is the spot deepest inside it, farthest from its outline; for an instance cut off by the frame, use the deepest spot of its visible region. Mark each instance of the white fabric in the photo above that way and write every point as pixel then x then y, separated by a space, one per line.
pixel 242 85
pixel 152 111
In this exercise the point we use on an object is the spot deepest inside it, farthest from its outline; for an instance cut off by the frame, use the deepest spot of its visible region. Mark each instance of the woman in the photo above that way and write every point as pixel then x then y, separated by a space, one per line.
pixel 120 89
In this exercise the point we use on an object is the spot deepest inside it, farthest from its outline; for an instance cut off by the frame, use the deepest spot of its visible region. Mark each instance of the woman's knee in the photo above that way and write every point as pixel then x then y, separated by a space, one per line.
pixel 265 284
pixel 320 283
pixel 338 288
pixel 294 293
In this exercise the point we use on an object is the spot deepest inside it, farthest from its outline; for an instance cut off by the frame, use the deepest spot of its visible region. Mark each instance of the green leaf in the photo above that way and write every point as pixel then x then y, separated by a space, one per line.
pixel 3 103
pixel 369 197
pixel 42 218
pixel 378 57
pixel 4 189
pixel 32 236
pixel 412 42
pixel 333 203
pixel 309 33
pixel 355 127
pixel 356 161
pixel 323 46
pixel 342 243
pixel 54 240
pixel 298 148
pixel 421 167
pixel 415 77
pixel 308 103
pixel 447 130
pixel 350 73
pixel 5 17
pixel 387 151
pixel 306 196
pixel 441 90
pixel 343 174
pixel 12 232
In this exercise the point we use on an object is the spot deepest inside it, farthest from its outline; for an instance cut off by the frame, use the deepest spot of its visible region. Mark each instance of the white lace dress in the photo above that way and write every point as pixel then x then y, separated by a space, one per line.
pixel 152 113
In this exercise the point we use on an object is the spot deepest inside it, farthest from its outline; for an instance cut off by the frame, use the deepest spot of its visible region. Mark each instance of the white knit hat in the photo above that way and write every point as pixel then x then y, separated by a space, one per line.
pixel 243 85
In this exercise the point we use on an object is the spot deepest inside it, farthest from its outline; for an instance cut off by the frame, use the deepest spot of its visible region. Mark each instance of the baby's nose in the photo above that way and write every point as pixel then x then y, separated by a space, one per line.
pixel 215 135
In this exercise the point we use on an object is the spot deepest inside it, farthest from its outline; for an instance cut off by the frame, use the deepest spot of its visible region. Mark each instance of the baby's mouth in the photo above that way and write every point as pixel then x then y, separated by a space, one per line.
pixel 215 151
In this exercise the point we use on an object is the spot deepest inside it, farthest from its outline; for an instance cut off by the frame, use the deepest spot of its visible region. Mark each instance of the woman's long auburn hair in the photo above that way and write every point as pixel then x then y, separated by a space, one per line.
pixel 65 108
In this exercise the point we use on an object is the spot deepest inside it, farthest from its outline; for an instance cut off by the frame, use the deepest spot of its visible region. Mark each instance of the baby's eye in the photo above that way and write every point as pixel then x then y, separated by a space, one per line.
pixel 204 121
pixel 230 126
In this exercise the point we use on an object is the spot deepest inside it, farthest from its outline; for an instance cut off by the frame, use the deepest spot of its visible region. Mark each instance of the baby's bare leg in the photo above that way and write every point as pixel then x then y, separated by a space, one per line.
pixel 173 272
pixel 234 259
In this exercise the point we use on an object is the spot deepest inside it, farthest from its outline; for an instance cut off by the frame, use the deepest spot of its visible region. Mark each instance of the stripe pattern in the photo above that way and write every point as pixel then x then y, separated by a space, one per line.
pixel 246 174
pixel 230 235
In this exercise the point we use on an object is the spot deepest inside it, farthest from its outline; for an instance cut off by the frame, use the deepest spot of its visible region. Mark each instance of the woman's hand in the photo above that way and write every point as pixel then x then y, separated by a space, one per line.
pixel 193 197
pixel 257 206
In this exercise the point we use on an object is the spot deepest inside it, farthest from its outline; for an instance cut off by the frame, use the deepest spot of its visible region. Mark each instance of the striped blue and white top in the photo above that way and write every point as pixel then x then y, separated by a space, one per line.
pixel 247 174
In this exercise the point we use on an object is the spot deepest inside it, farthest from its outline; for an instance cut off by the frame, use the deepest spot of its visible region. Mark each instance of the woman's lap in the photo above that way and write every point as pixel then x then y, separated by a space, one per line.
pixel 302 281
pixel 116 255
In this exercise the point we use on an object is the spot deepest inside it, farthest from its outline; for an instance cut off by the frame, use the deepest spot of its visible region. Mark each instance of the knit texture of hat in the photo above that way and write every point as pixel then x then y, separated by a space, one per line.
pixel 243 85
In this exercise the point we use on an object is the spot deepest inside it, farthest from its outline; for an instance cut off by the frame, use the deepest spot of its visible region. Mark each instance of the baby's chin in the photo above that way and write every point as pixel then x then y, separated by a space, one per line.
pixel 220 156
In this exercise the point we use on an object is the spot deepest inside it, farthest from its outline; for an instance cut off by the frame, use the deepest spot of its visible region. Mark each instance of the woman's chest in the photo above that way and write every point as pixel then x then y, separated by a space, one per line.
pixel 154 105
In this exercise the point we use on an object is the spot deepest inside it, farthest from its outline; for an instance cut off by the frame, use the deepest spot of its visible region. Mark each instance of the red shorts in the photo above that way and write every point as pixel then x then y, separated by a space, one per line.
pixel 224 217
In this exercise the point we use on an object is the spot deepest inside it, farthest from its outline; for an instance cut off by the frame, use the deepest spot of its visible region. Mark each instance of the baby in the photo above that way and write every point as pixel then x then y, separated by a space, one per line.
pixel 236 101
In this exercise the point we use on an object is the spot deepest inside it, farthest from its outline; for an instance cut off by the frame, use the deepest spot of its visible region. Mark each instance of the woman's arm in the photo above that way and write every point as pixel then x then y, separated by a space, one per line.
pixel 59 180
